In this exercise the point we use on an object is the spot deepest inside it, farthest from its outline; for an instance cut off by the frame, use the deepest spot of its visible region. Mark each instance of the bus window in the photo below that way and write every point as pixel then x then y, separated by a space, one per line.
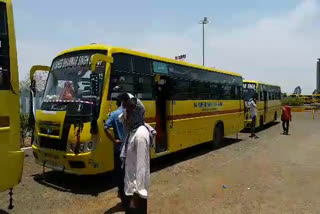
pixel 181 89
pixel 122 63
pixel 143 87
pixel 4 52
pixel 141 65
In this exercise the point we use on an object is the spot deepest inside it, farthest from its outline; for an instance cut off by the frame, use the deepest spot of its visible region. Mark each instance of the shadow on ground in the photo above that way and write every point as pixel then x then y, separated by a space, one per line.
pixel 260 129
pixel 187 154
pixel 85 184
pixel 3 212
pixel 95 184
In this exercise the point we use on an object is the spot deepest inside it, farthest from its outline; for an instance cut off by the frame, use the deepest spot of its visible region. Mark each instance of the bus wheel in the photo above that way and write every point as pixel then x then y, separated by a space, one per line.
pixel 218 135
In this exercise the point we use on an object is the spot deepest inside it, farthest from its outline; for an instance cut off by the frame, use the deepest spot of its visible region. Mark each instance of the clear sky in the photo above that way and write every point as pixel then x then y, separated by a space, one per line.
pixel 274 41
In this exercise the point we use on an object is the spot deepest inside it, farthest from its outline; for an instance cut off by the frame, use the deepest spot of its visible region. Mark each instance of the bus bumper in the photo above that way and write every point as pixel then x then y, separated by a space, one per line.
pixel 12 164
pixel 81 164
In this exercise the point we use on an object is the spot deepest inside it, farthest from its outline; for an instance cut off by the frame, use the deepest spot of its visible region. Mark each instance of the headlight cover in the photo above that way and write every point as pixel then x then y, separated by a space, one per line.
pixel 82 147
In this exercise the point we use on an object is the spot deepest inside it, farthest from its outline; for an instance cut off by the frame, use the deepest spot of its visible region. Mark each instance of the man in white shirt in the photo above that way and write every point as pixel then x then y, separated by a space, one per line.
pixel 252 105
pixel 136 156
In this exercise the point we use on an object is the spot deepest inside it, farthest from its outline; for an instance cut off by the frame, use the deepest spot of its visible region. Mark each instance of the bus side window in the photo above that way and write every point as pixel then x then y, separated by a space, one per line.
pixel 143 87
pixel 261 96
pixel 181 89
pixel 4 49
pixel 141 65
pixel 122 63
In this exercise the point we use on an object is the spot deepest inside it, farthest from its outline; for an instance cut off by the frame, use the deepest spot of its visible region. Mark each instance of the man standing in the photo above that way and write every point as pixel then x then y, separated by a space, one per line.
pixel 286 117
pixel 118 140
pixel 136 156
pixel 252 105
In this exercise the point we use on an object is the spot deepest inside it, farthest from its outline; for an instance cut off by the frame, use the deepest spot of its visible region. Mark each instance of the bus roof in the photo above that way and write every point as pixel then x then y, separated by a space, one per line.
pixel 132 52
pixel 258 82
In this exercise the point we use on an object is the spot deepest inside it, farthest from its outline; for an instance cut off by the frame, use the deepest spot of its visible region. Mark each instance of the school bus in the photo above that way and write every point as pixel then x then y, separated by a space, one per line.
pixel 316 98
pixel 307 99
pixel 268 101
pixel 187 104
pixel 11 157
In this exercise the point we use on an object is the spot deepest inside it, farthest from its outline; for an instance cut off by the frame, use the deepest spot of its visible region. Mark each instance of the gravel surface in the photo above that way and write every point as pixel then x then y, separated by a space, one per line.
pixel 272 174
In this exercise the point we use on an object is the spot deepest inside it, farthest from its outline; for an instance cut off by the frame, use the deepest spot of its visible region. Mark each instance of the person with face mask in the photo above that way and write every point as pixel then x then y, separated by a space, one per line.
pixel 136 155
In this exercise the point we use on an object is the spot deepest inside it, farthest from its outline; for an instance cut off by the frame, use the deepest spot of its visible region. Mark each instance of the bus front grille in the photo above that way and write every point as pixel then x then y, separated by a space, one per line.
pixel 51 143
pixel 56 144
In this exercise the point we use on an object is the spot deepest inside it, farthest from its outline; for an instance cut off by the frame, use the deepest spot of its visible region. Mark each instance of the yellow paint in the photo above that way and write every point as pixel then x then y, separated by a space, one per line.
pixel 11 157
pixel 182 133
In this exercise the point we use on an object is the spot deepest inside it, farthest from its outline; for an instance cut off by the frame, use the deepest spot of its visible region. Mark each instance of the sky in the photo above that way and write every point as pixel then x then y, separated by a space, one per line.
pixel 271 41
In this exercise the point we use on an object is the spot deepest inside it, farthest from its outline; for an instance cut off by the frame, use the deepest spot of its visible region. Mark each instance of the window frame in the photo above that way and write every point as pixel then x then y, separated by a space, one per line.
pixel 5 67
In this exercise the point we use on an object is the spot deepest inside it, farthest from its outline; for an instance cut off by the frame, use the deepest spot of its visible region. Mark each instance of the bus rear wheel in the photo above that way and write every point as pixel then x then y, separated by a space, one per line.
pixel 218 136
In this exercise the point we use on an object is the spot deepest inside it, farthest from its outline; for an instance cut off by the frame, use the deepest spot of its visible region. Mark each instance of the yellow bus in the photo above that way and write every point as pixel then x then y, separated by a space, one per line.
pixel 196 105
pixel 316 98
pixel 268 100
pixel 307 99
pixel 11 157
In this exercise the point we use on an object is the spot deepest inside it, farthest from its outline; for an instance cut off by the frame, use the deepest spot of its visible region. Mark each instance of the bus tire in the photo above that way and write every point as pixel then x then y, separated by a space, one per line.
pixel 218 135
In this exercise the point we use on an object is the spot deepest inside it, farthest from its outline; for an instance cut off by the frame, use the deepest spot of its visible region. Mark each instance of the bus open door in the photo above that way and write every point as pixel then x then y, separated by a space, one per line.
pixel 162 101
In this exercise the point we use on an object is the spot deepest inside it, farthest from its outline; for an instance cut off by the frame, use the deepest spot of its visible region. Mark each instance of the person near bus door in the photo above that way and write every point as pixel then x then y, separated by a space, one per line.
pixel 136 156
pixel 118 140
pixel 286 117
pixel 252 105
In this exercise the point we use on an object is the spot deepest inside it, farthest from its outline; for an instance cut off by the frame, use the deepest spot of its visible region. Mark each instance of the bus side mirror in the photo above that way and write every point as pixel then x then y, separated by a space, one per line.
pixel 96 59
pixel 32 108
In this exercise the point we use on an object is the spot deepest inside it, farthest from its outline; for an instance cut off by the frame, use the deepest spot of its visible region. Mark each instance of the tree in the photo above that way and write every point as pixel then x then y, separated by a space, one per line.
pixel 26 120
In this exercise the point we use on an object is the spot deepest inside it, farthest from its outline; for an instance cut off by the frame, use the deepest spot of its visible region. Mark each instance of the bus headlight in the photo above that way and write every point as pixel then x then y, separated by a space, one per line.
pixel 81 147
pixel 90 145
pixel 72 147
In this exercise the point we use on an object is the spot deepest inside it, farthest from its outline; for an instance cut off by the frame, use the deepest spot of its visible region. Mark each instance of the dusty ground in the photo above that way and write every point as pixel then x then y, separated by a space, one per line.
pixel 273 174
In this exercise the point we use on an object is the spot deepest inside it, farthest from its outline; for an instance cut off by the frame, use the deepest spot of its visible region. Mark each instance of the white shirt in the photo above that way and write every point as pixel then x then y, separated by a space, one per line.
pixel 253 108
pixel 137 163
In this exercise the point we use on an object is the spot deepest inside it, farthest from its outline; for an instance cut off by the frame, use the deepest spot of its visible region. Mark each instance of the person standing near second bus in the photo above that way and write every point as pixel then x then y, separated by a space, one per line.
pixel 286 117
pixel 252 105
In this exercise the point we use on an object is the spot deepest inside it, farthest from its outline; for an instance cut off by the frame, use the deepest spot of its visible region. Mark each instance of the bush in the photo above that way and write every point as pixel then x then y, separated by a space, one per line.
pixel 24 127
pixel 292 101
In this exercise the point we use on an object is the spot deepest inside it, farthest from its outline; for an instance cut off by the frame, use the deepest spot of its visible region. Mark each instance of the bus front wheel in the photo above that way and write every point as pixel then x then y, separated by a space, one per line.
pixel 218 135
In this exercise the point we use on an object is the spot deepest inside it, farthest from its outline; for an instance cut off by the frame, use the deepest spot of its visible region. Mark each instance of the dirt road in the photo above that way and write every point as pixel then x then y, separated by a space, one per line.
pixel 272 174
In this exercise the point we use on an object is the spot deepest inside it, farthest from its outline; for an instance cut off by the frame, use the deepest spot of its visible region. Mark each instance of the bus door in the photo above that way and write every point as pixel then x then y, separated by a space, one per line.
pixel 265 103
pixel 162 98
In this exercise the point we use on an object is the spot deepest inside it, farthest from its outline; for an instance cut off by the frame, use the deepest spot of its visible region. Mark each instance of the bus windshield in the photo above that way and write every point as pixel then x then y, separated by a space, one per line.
pixel 68 84
pixel 249 90
pixel 69 81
